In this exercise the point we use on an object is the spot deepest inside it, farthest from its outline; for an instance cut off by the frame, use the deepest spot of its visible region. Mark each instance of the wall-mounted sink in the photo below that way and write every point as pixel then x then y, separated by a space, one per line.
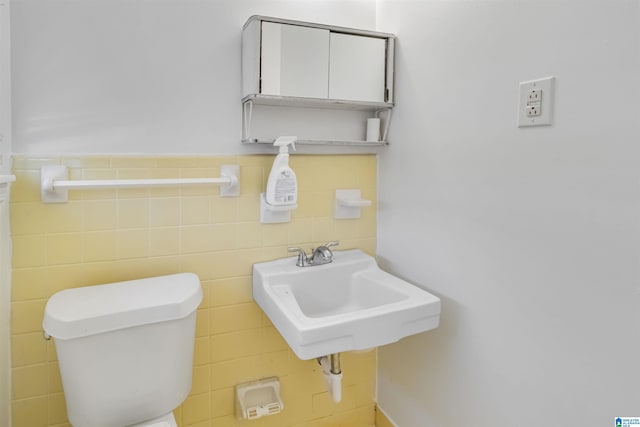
pixel 349 304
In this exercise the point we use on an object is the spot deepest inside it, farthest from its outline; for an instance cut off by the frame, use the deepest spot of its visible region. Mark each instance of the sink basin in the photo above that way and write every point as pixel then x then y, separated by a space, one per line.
pixel 349 304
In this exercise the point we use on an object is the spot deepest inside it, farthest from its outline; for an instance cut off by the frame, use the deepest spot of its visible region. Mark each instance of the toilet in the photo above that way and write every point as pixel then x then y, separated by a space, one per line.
pixel 125 349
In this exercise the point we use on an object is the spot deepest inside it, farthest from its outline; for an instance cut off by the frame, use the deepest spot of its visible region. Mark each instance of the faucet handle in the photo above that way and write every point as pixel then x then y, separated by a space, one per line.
pixel 302 255
pixel 332 243
pixel 329 245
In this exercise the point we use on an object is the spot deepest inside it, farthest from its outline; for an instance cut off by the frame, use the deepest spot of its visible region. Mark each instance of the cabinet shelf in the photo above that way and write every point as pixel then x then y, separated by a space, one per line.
pixel 345 142
pixel 247 115
pixel 293 101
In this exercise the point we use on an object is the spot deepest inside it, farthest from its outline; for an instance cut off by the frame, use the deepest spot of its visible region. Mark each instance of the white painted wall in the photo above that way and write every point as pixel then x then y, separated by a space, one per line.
pixel 5 243
pixel 529 236
pixel 147 76
pixel 5 87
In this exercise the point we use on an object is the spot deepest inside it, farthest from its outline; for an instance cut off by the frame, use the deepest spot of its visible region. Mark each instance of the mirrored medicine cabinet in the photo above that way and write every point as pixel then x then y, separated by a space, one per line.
pixel 298 64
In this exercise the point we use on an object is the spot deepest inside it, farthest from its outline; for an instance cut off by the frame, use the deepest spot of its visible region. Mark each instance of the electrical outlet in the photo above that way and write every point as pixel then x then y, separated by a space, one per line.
pixel 535 105
pixel 535 95
pixel 533 111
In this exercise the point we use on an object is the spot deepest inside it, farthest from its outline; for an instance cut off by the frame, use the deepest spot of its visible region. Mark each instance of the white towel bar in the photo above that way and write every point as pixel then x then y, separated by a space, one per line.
pixel 54 184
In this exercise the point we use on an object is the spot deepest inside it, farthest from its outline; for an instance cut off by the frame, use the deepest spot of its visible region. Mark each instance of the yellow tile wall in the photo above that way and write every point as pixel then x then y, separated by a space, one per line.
pixel 103 236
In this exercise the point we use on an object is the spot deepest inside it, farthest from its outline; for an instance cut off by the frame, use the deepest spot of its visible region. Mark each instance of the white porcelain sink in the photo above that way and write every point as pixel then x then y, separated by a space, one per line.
pixel 349 304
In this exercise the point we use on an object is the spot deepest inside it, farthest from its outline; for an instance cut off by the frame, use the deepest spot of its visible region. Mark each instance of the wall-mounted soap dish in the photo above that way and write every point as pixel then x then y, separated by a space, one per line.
pixel 256 399
pixel 349 204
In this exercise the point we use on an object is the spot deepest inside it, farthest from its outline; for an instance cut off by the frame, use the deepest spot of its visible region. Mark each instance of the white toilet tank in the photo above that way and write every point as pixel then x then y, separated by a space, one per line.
pixel 125 349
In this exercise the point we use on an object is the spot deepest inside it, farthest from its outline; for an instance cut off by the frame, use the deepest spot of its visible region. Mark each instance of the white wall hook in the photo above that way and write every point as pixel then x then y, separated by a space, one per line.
pixel 349 204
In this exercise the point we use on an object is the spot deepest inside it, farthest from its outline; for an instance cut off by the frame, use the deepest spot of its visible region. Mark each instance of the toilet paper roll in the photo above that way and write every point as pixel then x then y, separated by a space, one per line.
pixel 373 130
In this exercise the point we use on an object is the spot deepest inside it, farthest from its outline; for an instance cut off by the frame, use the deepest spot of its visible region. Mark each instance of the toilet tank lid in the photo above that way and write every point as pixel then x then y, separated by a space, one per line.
pixel 91 310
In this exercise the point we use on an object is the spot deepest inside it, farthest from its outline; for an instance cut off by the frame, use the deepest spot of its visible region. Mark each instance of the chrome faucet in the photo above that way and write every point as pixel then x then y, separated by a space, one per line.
pixel 320 255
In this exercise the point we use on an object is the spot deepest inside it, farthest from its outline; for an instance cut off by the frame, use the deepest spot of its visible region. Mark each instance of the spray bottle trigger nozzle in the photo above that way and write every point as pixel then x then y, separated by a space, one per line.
pixel 284 141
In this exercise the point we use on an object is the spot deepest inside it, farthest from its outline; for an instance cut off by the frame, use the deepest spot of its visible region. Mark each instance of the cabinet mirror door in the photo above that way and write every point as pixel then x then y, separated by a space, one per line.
pixel 294 61
pixel 357 68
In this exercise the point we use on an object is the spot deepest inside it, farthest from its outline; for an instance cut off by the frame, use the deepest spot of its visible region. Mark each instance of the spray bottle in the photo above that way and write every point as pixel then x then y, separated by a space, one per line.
pixel 282 185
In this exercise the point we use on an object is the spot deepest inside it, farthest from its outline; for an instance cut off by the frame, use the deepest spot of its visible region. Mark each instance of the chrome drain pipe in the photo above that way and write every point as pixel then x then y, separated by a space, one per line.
pixel 335 363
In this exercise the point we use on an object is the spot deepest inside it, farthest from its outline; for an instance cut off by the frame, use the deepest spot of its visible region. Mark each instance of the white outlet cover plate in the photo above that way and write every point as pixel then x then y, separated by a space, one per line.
pixel 547 85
